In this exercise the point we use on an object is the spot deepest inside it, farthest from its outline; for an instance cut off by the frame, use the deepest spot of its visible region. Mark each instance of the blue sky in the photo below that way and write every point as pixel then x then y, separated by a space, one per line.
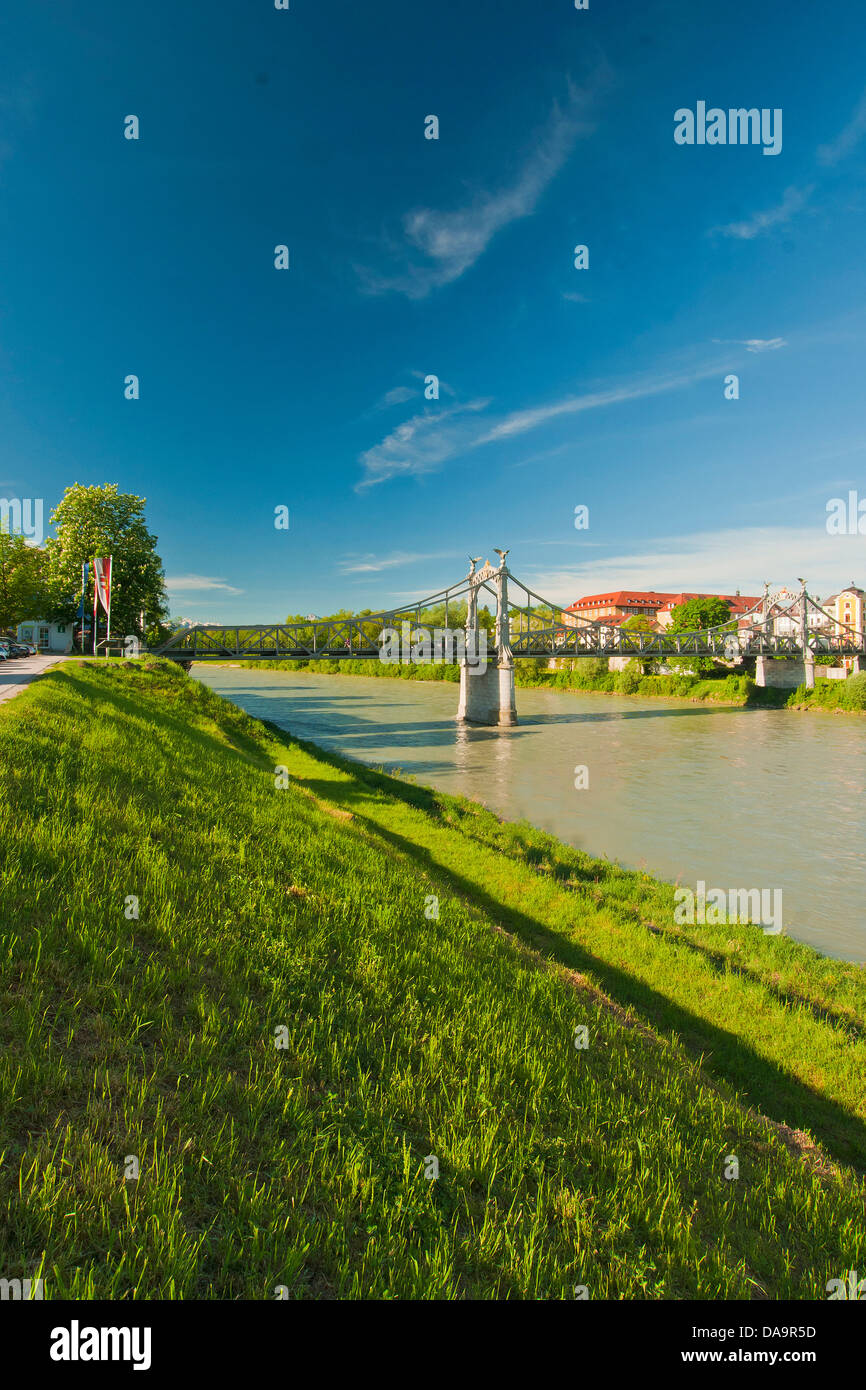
pixel 409 257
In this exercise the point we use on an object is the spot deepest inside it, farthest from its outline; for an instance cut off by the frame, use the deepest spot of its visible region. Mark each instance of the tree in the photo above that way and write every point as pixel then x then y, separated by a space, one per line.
pixel 697 614
pixel 24 585
pixel 638 622
pixel 91 521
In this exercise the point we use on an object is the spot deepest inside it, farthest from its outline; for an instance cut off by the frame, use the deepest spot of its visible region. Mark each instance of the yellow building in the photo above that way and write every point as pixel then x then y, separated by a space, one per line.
pixel 848 607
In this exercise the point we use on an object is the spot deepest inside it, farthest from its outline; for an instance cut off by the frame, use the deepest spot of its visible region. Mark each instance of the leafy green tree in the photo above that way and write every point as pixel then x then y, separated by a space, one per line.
pixel 629 679
pixel 25 591
pixel 697 614
pixel 638 622
pixel 430 618
pixel 535 617
pixel 90 521
pixel 457 611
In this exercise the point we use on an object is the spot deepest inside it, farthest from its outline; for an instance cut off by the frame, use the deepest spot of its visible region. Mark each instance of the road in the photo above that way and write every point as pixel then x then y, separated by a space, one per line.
pixel 20 671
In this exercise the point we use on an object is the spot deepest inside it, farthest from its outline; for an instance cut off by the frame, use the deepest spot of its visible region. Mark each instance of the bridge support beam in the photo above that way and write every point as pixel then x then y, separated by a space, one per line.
pixel 507 699
pixel 487 697
pixel 784 675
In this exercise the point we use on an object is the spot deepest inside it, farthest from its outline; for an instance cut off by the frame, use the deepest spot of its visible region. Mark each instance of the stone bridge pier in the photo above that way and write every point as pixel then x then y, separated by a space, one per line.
pixel 487 697
pixel 487 683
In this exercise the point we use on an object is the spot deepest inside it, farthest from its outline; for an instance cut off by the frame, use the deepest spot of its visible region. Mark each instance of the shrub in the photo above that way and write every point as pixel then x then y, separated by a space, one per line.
pixel 630 679
pixel 854 691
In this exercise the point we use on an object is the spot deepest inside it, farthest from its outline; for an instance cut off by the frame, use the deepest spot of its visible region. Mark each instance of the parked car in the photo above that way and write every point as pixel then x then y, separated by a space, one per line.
pixel 21 649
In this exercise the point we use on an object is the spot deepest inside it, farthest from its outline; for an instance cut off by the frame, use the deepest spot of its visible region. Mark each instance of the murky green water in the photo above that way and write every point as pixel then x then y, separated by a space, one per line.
pixel 738 798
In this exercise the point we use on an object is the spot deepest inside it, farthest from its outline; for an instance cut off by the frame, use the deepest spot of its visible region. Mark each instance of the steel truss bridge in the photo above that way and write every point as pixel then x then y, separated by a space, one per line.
pixel 526 626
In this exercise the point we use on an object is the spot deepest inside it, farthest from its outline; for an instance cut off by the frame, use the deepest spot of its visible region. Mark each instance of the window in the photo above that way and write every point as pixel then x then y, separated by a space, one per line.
pixel 61 627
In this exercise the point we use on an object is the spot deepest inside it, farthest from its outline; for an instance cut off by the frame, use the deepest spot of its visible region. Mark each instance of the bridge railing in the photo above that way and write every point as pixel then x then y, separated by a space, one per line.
pixel 535 628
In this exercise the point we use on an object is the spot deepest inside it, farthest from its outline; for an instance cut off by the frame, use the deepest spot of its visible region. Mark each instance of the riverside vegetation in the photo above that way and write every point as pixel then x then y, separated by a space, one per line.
pixel 591 674
pixel 407 1036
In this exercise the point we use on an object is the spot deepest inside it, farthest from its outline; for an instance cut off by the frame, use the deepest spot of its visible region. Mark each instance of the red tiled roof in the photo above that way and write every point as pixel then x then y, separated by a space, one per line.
pixel 620 597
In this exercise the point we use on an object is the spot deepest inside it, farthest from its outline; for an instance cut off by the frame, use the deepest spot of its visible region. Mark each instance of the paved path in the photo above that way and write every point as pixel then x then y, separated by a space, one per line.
pixel 20 671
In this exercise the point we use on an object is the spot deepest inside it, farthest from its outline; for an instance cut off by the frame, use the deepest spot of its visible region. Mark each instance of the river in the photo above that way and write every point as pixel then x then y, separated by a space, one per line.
pixel 735 797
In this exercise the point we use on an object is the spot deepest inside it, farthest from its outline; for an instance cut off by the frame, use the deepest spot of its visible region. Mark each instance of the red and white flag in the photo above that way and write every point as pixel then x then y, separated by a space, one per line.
pixel 102 580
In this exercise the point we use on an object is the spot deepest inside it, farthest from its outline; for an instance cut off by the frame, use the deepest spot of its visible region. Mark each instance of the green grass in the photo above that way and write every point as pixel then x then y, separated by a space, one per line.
pixel 848 695
pixel 406 1037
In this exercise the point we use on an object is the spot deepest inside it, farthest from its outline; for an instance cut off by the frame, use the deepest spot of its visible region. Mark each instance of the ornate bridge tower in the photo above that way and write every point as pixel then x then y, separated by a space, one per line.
pixel 487 687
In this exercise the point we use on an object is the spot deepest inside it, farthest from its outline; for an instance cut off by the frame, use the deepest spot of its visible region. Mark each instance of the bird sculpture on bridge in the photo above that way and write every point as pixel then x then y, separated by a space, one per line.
pixel 473 562
pixel 501 553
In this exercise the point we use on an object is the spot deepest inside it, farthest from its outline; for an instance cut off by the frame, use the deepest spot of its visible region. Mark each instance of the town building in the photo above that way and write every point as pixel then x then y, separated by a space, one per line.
pixel 739 604
pixel 784 611
pixel 615 607
pixel 46 637
pixel 846 609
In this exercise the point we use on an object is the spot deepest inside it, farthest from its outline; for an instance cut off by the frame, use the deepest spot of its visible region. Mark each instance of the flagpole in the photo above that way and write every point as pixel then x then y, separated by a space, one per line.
pixel 82 604
pixel 108 627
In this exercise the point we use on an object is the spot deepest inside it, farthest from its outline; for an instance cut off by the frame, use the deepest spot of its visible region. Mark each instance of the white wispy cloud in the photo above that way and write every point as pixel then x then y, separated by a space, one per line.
pixel 375 564
pixel 847 138
pixel 716 561
pixel 763 344
pixel 520 421
pixel 793 201
pixel 398 396
pixel 543 455
pixel 424 443
pixel 420 445
pixel 755 344
pixel 438 247
pixel 190 583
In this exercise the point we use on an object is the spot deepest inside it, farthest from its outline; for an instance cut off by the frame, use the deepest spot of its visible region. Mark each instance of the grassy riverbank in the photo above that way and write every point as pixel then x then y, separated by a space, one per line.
pixel 591 675
pixel 307 908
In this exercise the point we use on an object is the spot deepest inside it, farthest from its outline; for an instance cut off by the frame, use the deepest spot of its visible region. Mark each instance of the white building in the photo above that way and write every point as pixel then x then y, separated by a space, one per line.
pixel 46 637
